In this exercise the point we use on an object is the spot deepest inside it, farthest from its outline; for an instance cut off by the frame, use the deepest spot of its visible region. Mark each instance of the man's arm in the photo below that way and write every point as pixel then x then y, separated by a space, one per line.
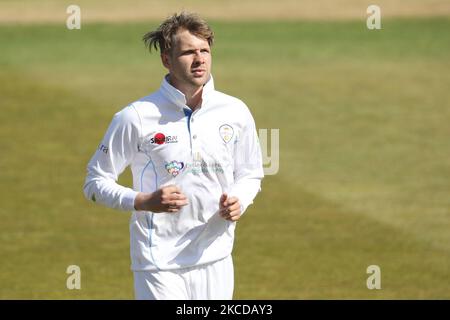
pixel 117 150
pixel 248 172
pixel 114 154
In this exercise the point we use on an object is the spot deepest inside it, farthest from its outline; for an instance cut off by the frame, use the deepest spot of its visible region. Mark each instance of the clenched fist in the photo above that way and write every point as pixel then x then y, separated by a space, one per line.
pixel 166 199
pixel 229 207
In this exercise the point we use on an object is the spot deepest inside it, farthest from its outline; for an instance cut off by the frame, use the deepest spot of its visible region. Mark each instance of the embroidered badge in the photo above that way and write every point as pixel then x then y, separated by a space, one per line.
pixel 174 167
pixel 226 132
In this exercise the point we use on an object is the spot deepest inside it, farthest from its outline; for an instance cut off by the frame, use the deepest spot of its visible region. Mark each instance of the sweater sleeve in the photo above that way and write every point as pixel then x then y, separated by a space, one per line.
pixel 114 154
pixel 248 171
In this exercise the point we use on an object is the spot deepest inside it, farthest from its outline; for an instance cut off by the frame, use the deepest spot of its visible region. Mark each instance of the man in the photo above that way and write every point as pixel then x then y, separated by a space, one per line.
pixel 196 165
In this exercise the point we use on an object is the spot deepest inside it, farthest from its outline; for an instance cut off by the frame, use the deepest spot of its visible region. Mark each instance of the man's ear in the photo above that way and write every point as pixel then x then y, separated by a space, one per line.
pixel 165 60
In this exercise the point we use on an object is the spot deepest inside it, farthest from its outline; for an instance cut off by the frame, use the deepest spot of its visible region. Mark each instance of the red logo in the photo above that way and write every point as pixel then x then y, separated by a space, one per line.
pixel 160 138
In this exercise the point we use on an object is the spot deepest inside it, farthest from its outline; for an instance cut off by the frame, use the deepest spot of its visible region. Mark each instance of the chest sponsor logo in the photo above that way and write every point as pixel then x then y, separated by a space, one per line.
pixel 174 167
pixel 161 138
pixel 226 132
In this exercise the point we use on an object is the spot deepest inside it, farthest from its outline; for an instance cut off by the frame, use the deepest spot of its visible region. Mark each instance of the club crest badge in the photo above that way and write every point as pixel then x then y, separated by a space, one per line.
pixel 226 132
pixel 174 167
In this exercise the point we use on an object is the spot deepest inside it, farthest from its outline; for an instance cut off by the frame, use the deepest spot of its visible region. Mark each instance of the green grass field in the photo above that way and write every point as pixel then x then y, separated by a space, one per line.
pixel 364 171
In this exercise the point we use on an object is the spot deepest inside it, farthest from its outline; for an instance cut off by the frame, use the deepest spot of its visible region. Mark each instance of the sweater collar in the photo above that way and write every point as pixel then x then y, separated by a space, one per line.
pixel 178 98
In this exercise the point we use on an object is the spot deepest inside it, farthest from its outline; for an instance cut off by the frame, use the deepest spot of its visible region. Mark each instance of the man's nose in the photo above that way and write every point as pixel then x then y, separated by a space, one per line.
pixel 199 58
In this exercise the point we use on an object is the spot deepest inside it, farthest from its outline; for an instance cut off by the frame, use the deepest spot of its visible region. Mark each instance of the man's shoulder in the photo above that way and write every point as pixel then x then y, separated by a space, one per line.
pixel 233 105
pixel 131 111
pixel 229 100
pixel 149 101
pixel 148 104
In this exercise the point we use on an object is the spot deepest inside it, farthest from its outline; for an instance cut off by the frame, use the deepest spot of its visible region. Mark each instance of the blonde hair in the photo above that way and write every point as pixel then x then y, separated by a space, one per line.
pixel 162 37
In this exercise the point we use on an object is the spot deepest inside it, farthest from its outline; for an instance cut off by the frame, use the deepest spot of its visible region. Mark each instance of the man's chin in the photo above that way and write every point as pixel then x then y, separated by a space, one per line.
pixel 200 81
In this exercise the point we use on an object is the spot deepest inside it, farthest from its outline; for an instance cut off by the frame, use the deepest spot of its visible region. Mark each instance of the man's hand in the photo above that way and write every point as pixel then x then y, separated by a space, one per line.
pixel 166 199
pixel 230 207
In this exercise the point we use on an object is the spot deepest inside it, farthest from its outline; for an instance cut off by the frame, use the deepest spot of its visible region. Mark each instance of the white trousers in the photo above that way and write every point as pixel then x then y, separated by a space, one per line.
pixel 213 281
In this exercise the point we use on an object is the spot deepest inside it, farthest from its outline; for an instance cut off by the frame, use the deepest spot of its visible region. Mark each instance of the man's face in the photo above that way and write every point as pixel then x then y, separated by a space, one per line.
pixel 189 61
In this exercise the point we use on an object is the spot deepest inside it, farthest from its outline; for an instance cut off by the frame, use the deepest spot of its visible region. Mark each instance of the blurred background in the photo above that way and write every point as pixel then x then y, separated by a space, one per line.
pixel 363 116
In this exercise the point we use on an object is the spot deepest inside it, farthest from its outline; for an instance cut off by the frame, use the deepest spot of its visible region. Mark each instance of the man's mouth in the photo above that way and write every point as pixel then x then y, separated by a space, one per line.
pixel 198 72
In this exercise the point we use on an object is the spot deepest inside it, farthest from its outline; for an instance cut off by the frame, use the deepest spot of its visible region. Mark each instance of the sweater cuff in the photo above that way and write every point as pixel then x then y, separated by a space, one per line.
pixel 128 200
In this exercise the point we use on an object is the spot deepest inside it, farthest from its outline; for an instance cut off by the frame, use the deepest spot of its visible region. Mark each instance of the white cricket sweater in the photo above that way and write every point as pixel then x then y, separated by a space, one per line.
pixel 212 150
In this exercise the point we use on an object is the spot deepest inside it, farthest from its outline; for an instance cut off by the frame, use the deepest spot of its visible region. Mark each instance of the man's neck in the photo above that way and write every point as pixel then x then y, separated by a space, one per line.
pixel 194 98
pixel 192 94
